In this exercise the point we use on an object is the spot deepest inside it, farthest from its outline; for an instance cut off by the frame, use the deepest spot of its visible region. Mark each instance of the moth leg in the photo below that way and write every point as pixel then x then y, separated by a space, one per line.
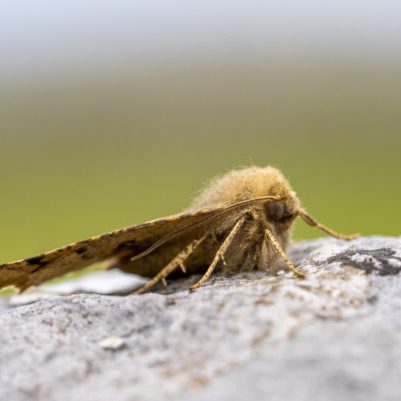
pixel 311 221
pixel 276 244
pixel 220 253
pixel 178 261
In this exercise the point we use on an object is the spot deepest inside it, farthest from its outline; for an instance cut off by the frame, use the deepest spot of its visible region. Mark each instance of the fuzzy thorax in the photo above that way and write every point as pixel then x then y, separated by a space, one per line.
pixel 244 184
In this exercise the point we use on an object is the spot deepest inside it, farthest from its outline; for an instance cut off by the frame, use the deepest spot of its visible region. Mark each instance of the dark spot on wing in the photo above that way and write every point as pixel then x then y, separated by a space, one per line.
pixel 127 245
pixel 36 260
pixel 81 250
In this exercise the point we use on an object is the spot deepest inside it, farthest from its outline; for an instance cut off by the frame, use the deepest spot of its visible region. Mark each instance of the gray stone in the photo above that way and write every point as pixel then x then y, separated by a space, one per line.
pixel 106 282
pixel 332 336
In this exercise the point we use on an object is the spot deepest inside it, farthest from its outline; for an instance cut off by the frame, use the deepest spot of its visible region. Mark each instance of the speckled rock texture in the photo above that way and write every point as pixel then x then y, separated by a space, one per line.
pixel 335 335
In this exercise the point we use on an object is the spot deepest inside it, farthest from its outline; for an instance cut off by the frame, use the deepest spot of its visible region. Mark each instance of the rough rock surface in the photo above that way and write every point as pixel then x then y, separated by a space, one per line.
pixel 335 335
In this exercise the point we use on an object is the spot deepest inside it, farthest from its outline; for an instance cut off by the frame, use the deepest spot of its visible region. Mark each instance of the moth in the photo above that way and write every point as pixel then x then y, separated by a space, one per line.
pixel 241 222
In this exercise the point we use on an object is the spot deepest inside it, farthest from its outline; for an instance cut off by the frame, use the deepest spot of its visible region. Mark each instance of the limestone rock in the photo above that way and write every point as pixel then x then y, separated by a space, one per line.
pixel 335 335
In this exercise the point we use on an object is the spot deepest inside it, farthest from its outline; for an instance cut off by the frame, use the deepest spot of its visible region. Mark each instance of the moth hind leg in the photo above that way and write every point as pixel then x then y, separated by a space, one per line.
pixel 177 262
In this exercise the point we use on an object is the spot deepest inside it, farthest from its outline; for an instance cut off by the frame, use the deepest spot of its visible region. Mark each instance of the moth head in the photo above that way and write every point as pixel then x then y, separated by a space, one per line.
pixel 282 213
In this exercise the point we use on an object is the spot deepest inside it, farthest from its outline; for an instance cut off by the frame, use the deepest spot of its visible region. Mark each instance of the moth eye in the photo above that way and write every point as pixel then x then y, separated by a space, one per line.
pixel 277 212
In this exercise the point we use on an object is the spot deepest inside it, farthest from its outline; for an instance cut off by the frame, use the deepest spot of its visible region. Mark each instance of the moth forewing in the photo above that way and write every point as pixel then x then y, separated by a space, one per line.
pixel 35 270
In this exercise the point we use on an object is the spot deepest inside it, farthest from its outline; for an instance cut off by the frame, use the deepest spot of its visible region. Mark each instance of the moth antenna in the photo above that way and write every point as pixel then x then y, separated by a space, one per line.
pixel 178 261
pixel 175 234
pixel 311 221
pixel 220 253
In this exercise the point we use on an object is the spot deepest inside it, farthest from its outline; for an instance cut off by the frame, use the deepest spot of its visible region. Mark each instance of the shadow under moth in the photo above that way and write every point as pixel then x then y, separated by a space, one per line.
pixel 241 222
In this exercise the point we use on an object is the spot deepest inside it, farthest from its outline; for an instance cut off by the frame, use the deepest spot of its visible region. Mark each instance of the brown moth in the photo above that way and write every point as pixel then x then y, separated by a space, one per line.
pixel 241 222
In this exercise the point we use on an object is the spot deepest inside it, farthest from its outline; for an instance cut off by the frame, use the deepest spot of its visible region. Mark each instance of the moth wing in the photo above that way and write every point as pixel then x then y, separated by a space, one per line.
pixel 133 240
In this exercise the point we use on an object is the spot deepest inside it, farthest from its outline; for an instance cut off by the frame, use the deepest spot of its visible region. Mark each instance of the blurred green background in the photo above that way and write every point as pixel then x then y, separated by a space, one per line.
pixel 109 143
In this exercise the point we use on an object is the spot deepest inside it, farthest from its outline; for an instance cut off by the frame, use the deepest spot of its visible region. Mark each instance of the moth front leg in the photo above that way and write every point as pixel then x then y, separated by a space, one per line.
pixel 278 248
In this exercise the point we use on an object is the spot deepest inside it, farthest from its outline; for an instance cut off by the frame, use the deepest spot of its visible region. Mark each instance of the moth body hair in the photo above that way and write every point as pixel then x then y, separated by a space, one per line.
pixel 245 184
